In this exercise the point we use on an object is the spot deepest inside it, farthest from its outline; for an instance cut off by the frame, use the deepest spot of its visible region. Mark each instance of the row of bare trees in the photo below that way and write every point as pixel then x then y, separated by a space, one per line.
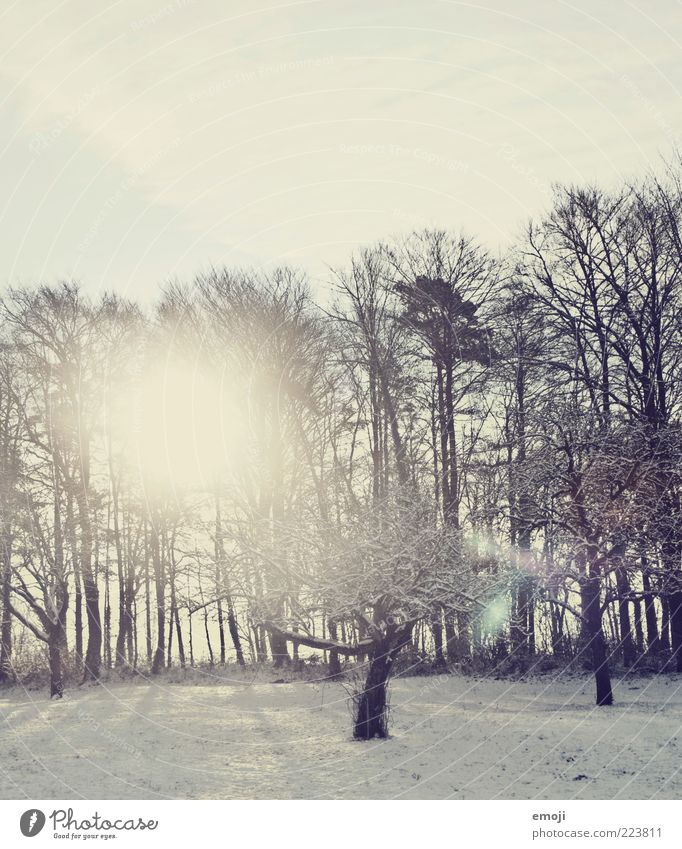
pixel 476 458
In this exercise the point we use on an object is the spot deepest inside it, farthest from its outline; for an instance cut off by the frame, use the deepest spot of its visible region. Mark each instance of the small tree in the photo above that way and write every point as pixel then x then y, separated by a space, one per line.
pixel 383 571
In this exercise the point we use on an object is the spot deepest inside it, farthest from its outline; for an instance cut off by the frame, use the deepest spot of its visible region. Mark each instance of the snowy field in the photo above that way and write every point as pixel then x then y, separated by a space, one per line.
pixel 453 737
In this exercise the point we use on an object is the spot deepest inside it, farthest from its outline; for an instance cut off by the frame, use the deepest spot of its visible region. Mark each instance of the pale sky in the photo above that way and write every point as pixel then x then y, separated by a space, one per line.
pixel 144 140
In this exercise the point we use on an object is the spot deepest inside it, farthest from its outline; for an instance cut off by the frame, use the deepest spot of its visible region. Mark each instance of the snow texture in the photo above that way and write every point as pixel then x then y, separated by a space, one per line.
pixel 452 737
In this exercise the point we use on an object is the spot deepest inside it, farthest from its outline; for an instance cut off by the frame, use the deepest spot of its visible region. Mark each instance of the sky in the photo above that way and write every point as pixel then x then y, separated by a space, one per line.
pixel 146 140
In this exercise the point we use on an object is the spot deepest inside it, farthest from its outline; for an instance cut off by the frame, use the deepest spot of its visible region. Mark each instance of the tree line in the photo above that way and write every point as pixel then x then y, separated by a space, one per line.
pixel 463 460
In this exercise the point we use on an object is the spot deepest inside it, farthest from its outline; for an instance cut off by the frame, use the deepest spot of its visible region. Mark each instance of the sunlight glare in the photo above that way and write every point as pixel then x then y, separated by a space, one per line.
pixel 190 429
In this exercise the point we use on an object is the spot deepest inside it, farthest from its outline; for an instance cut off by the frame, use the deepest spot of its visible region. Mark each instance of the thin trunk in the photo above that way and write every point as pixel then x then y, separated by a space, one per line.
pixel 181 644
pixel 169 651
pixel 78 596
pixel 531 615
pixel 6 668
pixel 191 640
pixel 639 630
pixel 627 645
pixel 223 587
pixel 130 595
pixel 450 637
pixel 234 632
pixel 392 416
pixel 147 598
pixel 107 620
pixel 652 638
pixel 221 629
pixel 107 586
pixel 665 623
pixel 56 671
pixel 524 524
pixel 453 483
pixel 261 645
pixel 376 436
pixel 208 638
pixel 434 451
pixel 159 582
pixel 93 651
pixel 250 633
pixel 123 610
pixel 442 426
pixel 334 662
pixel 463 634
pixel 676 623
pixel 437 631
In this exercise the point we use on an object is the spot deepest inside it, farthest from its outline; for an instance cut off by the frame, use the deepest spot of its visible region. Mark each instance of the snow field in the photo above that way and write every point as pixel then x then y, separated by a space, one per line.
pixel 452 737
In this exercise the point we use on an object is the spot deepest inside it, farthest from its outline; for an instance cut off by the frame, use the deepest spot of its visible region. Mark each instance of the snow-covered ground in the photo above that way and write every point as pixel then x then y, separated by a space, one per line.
pixel 453 737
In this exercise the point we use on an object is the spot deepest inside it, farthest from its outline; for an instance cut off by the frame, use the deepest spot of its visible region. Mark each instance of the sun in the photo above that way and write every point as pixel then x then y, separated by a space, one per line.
pixel 189 429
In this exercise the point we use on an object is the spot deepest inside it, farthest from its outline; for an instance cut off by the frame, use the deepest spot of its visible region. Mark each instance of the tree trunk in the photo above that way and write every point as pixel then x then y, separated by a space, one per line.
pixel 652 639
pixel 453 484
pixel 639 630
pixel 463 634
pixel 371 715
pixel 531 616
pixel 93 651
pixel 56 677
pixel 675 604
pixel 443 428
pixel 557 623
pixel 234 632
pixel 371 718
pixel 223 587
pixel 131 618
pixel 627 645
pixel 181 644
pixel 261 644
pixel 159 580
pixel 516 636
pixel 107 629
pixel 584 634
pixel 78 614
pixel 107 619
pixel 376 438
pixel 56 644
pixel 593 616
pixel 664 640
pixel 123 620
pixel 171 619
pixel 334 662
pixel 132 635
pixel 147 599
pixel 221 630
pixel 278 649
pixel 450 637
pixel 476 635
pixel 6 668
pixel 208 638
pixel 437 631
pixel 392 416
pixel 191 640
